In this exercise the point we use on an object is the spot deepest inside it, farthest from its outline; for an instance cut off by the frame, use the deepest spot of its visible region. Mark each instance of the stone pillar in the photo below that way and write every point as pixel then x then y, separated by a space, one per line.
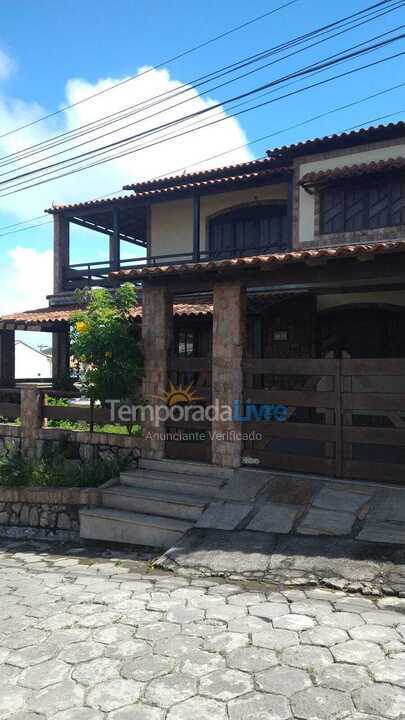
pixel 31 419
pixel 157 321
pixel 228 343
pixel 7 358
pixel 60 250
pixel 60 357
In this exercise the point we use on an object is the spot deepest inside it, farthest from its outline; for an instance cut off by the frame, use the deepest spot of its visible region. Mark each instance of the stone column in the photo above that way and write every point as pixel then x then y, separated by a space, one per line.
pixel 60 250
pixel 60 357
pixel 228 344
pixel 157 321
pixel 7 358
pixel 31 419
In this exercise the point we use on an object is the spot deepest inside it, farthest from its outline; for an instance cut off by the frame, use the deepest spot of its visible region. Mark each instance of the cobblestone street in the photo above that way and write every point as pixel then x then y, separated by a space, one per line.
pixel 86 638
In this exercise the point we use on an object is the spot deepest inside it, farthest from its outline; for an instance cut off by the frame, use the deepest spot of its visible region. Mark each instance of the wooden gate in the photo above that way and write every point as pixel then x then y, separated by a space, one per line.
pixel 190 440
pixel 342 417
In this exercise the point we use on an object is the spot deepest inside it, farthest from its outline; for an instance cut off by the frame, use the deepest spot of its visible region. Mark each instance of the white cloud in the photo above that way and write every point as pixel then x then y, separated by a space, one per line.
pixel 103 179
pixel 25 279
pixel 7 65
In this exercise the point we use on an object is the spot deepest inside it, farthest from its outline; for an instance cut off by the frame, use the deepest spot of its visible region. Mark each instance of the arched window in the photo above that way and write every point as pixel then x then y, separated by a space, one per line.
pixel 250 230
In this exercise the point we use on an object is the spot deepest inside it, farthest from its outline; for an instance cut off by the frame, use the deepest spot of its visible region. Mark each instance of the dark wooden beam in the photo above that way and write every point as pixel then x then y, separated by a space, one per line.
pixel 60 357
pixel 7 358
pixel 115 242
pixel 290 210
pixel 196 227
pixel 61 250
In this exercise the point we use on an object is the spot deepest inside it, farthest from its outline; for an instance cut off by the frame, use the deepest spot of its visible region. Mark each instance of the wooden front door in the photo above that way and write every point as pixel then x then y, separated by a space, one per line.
pixel 344 418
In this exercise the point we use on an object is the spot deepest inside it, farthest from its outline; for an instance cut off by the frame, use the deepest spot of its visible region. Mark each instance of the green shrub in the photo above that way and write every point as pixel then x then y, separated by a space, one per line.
pixel 56 470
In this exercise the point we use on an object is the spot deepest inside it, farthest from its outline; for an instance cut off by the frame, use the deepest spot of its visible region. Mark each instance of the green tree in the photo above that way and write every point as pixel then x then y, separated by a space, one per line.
pixel 107 344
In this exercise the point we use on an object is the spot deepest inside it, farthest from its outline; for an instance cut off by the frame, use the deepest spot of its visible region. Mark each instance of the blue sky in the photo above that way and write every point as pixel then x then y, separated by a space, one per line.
pixel 53 53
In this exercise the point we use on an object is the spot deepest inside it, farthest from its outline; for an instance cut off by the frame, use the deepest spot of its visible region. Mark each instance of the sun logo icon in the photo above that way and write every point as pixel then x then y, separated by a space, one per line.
pixel 176 395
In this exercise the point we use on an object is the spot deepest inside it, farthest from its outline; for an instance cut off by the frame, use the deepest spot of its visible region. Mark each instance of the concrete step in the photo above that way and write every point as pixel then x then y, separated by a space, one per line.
pixel 187 467
pixel 128 527
pixel 154 502
pixel 173 483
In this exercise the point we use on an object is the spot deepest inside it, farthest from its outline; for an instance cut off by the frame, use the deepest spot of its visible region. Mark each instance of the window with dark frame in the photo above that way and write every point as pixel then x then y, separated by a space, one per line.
pixel 249 230
pixel 186 343
pixel 364 206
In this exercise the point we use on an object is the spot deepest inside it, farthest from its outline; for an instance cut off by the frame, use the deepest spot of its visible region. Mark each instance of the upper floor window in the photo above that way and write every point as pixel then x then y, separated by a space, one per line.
pixel 363 206
pixel 248 231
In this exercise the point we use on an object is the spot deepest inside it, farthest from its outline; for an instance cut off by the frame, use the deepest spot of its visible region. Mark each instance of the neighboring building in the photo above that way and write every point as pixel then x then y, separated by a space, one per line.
pixel 286 281
pixel 31 362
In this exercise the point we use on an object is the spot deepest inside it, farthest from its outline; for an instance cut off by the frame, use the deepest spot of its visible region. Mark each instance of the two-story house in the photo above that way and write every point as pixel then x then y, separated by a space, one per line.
pixel 279 281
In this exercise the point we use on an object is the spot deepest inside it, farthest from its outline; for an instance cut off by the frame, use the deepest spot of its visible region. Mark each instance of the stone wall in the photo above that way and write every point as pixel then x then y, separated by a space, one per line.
pixel 47 509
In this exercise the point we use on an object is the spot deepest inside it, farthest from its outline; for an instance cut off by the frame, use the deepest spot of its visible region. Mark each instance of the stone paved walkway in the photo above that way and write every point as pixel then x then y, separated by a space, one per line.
pixel 94 638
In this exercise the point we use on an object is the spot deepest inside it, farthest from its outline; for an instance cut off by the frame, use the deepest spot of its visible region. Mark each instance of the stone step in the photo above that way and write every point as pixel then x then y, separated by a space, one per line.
pixel 128 527
pixel 154 502
pixel 187 467
pixel 174 483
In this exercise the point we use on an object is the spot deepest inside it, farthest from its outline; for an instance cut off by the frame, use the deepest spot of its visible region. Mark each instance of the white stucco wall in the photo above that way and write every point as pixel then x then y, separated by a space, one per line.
pixel 306 201
pixel 172 222
pixel 29 363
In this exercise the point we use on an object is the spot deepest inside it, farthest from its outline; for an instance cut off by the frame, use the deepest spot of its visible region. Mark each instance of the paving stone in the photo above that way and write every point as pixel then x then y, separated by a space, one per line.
pixel 84 713
pixel 382 700
pixel 112 634
pixel 150 667
pixel 226 684
pixel 170 689
pixel 178 646
pixel 155 631
pixel 128 648
pixel 388 505
pixel 339 498
pixel 283 680
pixel 389 670
pixel 343 620
pixel 319 703
pixel 275 639
pixel 251 659
pixel 56 698
pixel 136 712
pixel 259 706
pixel 374 633
pixel 81 652
pixel 184 615
pixel 246 599
pixel 200 662
pixel 113 694
pixel 324 636
pixel 358 652
pixel 25 638
pixel 223 515
pixel 96 671
pixel 294 622
pixel 225 642
pixel 343 677
pixel 269 610
pixel 12 699
pixel 226 612
pixel 307 657
pixel 383 617
pixel 198 708
pixel 326 522
pixel 274 518
pixel 33 655
pixel 382 532
pixel 47 673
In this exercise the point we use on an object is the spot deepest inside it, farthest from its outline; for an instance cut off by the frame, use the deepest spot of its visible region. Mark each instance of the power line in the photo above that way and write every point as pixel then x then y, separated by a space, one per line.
pixel 70 135
pixel 239 147
pixel 155 67
pixel 308 70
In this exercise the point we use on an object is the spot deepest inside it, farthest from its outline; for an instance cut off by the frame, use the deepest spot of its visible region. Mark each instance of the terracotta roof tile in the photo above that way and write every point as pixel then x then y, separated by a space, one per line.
pixel 275 259
pixel 349 171
pixel 60 314
pixel 373 133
